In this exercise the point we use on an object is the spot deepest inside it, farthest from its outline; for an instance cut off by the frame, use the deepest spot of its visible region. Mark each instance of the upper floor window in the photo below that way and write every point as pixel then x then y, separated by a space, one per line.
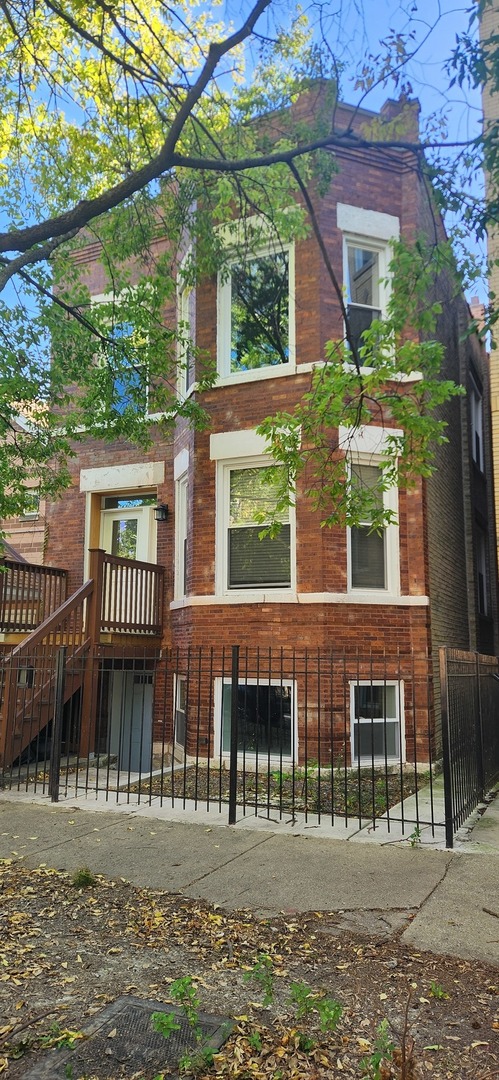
pixel 186 339
pixel 373 555
pixel 367 293
pixel 366 261
pixel 256 314
pixel 31 503
pixel 129 388
pixel 476 417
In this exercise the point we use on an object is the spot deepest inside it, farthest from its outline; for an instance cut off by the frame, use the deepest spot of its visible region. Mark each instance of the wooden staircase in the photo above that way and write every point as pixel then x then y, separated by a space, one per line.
pixel 121 597
pixel 28 691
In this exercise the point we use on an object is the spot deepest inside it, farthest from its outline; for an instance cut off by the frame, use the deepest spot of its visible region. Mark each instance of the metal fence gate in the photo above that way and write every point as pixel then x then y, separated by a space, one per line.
pixel 470 732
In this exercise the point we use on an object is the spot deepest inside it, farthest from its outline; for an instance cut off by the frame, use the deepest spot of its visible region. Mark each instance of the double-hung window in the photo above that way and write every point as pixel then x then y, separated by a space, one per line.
pixel 253 561
pixel 376 710
pixel 256 314
pixel 366 261
pixel 373 554
pixel 367 547
pixel 364 288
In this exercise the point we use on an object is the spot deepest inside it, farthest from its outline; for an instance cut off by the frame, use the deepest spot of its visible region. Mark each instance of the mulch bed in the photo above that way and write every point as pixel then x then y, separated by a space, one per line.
pixel 352 794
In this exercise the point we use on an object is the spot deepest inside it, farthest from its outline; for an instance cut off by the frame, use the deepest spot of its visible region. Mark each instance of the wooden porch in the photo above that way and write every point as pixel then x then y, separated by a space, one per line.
pixel 121 606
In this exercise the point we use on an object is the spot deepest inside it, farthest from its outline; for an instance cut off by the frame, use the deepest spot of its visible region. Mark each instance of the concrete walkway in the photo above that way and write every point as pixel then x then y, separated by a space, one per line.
pixel 442 901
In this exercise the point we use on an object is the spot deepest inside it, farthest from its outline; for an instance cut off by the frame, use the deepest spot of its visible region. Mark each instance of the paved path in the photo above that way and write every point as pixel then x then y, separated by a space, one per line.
pixel 442 901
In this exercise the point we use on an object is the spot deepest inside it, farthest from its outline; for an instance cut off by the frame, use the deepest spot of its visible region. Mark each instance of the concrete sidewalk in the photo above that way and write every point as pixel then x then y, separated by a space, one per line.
pixel 442 901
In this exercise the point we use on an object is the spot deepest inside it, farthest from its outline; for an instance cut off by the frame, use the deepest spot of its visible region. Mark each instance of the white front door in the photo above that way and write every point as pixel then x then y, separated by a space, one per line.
pixel 128 528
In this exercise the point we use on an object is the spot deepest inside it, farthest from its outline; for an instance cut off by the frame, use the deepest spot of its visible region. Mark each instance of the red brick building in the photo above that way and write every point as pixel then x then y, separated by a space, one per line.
pixel 426 581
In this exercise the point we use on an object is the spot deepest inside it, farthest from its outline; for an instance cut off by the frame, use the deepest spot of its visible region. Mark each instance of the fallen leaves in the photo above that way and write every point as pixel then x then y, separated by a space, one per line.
pixel 75 950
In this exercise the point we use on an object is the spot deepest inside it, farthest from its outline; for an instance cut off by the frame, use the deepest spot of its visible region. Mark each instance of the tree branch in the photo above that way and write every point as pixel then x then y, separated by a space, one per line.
pixel 22 239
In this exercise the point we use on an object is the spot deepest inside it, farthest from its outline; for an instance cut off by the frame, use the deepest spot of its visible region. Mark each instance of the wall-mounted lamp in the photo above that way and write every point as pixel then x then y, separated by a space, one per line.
pixel 161 512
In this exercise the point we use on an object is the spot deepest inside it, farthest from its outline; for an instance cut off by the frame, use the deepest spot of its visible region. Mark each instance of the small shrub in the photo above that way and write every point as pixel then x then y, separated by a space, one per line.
pixel 83 878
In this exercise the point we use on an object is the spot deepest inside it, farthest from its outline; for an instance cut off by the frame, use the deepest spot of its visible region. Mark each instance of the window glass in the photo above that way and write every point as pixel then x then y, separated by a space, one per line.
pixel 476 408
pixel 363 276
pixel 128 389
pixel 363 290
pixel 367 549
pixel 264 714
pixel 376 728
pixel 31 503
pixel 253 561
pixel 127 502
pixel 260 312
pixel 124 538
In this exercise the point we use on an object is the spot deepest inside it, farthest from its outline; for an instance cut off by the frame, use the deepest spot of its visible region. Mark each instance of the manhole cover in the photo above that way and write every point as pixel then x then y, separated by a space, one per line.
pixel 121 1040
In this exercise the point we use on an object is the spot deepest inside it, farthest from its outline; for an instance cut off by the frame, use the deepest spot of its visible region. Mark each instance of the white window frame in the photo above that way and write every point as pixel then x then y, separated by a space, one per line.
pixel 380 248
pixel 186 314
pixel 34 513
pixel 372 230
pixel 178 682
pixel 399 718
pixel 250 755
pixel 181 534
pixel 224 319
pixel 256 594
pixel 391 538
pixel 476 417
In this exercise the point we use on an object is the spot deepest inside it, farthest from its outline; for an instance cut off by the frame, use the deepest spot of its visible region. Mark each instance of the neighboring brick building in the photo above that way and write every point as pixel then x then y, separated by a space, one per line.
pixel 431 580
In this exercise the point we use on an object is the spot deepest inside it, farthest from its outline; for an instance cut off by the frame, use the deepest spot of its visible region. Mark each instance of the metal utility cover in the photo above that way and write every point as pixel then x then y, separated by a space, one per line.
pixel 121 1039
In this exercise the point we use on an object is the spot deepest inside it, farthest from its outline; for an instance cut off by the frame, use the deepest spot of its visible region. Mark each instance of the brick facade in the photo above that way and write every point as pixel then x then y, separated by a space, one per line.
pixel 438 588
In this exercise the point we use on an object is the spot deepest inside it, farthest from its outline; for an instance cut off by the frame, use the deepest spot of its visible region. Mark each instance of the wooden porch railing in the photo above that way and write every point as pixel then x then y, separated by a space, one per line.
pixel 121 596
pixel 131 594
pixel 29 594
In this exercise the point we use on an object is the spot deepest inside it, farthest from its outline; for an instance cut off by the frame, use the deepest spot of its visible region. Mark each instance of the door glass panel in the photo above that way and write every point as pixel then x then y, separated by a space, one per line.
pixel 124 538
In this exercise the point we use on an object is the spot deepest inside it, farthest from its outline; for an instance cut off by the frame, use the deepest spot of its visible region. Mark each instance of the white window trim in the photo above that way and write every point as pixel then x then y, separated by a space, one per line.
pixel 184 292
pixel 399 717
pixel 249 755
pixel 178 679
pixel 380 247
pixel 224 305
pixel 181 533
pixel 257 595
pixel 392 541
pixel 374 231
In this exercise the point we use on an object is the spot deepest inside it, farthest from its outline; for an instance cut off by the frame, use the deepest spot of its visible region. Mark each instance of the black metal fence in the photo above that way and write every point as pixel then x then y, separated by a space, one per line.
pixel 470 732
pixel 345 739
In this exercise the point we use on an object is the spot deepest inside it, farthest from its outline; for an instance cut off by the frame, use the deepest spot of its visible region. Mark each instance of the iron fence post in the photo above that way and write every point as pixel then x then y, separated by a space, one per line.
pixel 55 749
pixel 444 708
pixel 233 734
pixel 479 731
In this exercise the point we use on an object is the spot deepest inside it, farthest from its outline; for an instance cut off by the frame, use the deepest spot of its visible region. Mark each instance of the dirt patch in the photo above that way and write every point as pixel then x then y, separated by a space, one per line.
pixel 364 793
pixel 66 952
